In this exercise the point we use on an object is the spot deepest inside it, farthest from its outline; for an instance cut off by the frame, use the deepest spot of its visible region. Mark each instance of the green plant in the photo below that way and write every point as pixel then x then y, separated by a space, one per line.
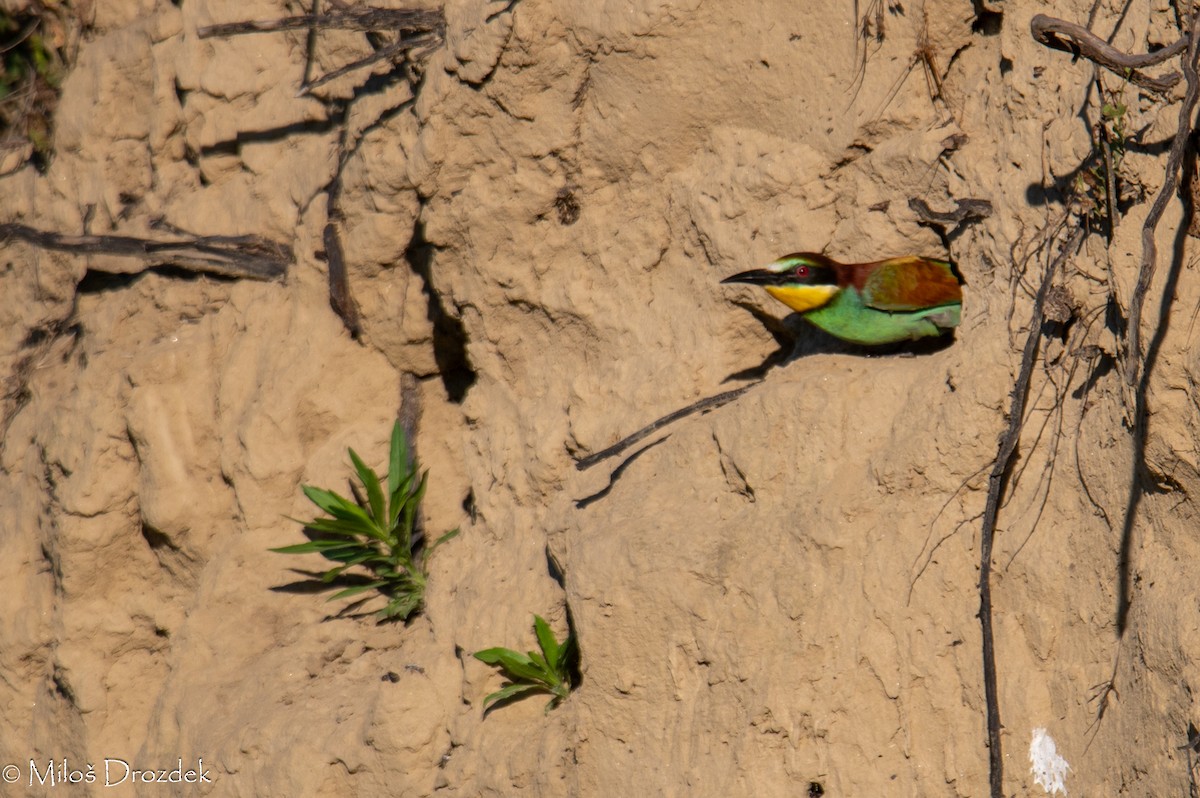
pixel 1098 183
pixel 32 66
pixel 548 671
pixel 375 533
pixel 23 52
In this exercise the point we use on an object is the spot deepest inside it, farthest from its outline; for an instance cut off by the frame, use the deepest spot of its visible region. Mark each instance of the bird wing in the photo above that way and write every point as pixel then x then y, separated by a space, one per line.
pixel 910 283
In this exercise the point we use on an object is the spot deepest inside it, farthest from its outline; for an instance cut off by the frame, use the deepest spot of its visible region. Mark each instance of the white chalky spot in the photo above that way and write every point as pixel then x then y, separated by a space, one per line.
pixel 1049 769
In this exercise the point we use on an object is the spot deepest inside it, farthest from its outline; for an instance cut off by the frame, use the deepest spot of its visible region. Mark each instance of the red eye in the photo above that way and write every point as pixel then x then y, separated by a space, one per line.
pixel 801 271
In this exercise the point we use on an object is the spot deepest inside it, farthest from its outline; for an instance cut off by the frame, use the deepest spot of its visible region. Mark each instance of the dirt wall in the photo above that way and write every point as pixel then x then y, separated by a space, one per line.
pixel 778 597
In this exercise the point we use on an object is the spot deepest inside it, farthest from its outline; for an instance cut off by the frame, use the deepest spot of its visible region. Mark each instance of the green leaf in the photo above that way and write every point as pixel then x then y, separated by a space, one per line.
pixel 514 662
pixel 335 505
pixel 311 546
pixel 354 591
pixel 351 556
pixel 429 549
pixel 377 533
pixel 342 556
pixel 334 526
pixel 333 573
pixel 397 459
pixel 540 663
pixel 506 657
pixel 402 606
pixel 419 493
pixel 491 655
pixel 410 506
pixel 509 691
pixel 397 566
pixel 547 642
pixel 404 492
pixel 370 481
pixel 564 652
pixel 341 551
pixel 400 498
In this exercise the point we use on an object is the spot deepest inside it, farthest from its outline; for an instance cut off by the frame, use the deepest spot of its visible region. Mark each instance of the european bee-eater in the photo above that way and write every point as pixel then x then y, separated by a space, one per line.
pixel 885 302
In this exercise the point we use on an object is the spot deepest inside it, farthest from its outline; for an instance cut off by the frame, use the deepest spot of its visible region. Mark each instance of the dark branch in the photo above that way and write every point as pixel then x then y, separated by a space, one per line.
pixel 390 51
pixel 996 484
pixel 405 20
pixel 1165 195
pixel 965 210
pixel 1081 41
pixel 417 29
pixel 251 257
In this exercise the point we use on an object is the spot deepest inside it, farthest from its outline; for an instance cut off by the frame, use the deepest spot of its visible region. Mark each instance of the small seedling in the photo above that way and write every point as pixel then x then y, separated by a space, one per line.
pixel 1098 183
pixel 376 533
pixel 548 671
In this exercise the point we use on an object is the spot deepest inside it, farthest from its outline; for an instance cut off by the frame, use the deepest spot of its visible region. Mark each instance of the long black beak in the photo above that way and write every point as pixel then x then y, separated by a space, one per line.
pixel 755 277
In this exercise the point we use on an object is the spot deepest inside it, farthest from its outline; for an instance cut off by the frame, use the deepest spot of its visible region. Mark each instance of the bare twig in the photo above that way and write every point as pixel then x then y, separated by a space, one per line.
pixel 16 41
pixel 966 210
pixel 252 257
pixel 390 51
pixel 1051 31
pixel 1165 195
pixel 404 20
pixel 996 484
pixel 924 55
pixel 1102 694
pixel 710 403
pixel 417 29
pixel 340 298
pixel 1110 182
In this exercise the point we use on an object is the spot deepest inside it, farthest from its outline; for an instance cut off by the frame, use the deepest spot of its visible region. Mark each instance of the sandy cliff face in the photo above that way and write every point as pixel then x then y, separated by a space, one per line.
pixel 779 596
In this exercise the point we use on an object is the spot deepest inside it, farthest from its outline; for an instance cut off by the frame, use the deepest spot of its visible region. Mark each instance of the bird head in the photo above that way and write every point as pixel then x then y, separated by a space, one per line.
pixel 803 280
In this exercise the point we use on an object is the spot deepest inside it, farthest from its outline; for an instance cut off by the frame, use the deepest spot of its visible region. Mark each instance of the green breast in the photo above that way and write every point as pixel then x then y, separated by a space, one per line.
pixel 847 318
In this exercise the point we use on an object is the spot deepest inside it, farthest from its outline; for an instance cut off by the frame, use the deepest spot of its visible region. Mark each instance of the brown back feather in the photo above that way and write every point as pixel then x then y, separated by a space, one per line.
pixel 907 284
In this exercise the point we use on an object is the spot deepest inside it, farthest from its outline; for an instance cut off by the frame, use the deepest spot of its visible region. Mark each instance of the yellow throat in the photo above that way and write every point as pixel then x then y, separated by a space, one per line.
pixel 801 298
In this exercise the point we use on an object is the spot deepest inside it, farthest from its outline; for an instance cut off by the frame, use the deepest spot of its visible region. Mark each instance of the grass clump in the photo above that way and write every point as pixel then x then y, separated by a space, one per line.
pixel 547 671
pixel 376 532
